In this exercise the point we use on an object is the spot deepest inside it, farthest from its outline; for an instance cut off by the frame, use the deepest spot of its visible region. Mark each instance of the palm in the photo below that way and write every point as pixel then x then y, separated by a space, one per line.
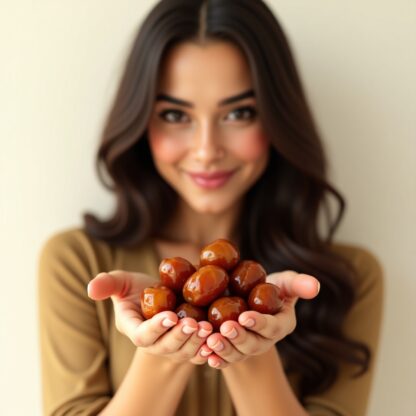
pixel 124 289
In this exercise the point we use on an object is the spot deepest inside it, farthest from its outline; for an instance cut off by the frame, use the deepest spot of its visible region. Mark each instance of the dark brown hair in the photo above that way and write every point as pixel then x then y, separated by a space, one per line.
pixel 279 222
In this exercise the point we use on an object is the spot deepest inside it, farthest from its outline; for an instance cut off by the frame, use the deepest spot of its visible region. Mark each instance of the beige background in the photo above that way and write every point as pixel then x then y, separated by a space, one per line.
pixel 59 66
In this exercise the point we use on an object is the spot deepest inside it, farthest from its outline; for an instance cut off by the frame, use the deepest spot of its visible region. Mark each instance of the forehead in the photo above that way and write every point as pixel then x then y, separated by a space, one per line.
pixel 217 67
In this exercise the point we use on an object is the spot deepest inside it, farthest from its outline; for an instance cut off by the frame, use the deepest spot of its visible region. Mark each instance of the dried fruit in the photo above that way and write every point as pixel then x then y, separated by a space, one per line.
pixel 245 276
pixel 205 285
pixel 174 272
pixel 225 309
pixel 186 310
pixel 264 298
pixel 221 253
pixel 157 299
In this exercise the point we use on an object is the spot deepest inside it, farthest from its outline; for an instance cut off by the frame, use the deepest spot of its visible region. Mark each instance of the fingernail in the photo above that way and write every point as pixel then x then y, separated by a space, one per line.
pixel 232 334
pixel 205 353
pixel 202 333
pixel 188 330
pixel 167 323
pixel 219 346
pixel 319 287
pixel 249 323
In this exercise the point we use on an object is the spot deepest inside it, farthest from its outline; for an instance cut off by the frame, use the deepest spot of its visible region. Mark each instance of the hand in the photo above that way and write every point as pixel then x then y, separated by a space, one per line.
pixel 164 334
pixel 256 333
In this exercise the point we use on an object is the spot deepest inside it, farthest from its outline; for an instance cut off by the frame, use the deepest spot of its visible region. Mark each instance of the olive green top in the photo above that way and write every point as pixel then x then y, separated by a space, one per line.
pixel 84 358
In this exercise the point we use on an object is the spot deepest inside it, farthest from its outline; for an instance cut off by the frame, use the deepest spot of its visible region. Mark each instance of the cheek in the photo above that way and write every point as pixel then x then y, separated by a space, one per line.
pixel 164 147
pixel 250 146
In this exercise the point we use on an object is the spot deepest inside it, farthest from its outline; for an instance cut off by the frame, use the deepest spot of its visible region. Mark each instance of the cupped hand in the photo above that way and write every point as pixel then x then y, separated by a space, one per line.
pixel 256 333
pixel 164 334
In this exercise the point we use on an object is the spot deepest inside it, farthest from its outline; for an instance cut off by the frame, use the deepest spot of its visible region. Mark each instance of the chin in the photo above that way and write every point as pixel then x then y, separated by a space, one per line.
pixel 210 206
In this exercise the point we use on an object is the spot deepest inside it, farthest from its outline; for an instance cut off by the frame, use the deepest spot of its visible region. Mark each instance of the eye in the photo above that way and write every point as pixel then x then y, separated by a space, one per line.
pixel 242 113
pixel 173 116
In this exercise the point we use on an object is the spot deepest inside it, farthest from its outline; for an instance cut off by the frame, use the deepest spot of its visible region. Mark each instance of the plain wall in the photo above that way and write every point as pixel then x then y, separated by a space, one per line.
pixel 60 62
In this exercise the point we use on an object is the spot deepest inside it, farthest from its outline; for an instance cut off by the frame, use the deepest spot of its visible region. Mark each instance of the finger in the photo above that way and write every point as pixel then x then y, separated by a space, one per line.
pixel 244 341
pixel 150 331
pixel 294 284
pixel 172 342
pixel 191 347
pixel 204 329
pixel 117 283
pixel 271 327
pixel 202 355
pixel 215 361
pixel 103 286
pixel 127 317
pixel 222 347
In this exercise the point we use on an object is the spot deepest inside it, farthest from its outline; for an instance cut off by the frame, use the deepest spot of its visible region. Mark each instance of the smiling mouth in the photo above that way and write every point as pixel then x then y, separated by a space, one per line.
pixel 211 180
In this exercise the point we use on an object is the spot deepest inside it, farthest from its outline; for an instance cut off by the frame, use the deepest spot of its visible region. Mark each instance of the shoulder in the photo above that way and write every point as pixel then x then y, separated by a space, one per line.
pixel 66 238
pixel 72 242
pixel 73 252
pixel 73 248
pixel 368 267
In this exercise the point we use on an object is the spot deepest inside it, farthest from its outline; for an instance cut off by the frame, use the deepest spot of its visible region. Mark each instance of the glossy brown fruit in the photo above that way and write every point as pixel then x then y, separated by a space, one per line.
pixel 174 272
pixel 264 298
pixel 225 309
pixel 221 253
pixel 245 276
pixel 157 299
pixel 205 285
pixel 186 310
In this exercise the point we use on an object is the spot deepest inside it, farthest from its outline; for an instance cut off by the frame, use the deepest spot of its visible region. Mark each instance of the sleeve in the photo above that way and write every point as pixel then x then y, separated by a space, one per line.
pixel 349 396
pixel 75 378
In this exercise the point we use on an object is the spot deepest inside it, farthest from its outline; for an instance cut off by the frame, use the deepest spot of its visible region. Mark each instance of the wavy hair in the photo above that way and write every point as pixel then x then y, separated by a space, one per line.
pixel 281 212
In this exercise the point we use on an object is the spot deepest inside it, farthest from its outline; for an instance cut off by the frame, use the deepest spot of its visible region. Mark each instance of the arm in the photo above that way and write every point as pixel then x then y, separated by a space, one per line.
pixel 153 386
pixel 167 349
pixel 256 378
pixel 265 390
pixel 245 352
pixel 72 347
pixel 73 340
pixel 350 396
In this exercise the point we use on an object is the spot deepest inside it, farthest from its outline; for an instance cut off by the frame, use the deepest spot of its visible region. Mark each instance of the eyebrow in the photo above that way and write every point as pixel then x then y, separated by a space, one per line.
pixel 225 101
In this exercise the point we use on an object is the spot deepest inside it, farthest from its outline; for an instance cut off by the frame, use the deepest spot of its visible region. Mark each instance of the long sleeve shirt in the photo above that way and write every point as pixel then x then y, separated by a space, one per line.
pixel 84 358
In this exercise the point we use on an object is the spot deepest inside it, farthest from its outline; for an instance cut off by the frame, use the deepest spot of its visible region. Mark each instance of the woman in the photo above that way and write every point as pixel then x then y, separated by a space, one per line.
pixel 209 136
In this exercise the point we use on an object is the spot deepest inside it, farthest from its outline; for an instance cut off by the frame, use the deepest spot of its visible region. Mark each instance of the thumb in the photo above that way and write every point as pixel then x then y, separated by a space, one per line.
pixel 105 285
pixel 118 284
pixel 295 285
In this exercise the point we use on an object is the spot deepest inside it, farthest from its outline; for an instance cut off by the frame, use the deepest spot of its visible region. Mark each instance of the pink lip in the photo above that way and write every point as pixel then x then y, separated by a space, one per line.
pixel 211 180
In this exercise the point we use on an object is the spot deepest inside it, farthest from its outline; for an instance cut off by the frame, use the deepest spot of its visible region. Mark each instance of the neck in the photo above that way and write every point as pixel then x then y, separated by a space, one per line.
pixel 190 227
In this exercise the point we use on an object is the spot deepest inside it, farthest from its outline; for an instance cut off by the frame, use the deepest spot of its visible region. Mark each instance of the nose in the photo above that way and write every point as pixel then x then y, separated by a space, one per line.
pixel 207 145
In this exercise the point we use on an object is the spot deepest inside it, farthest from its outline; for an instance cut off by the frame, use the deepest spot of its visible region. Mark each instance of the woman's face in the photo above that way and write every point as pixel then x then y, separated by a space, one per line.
pixel 204 132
